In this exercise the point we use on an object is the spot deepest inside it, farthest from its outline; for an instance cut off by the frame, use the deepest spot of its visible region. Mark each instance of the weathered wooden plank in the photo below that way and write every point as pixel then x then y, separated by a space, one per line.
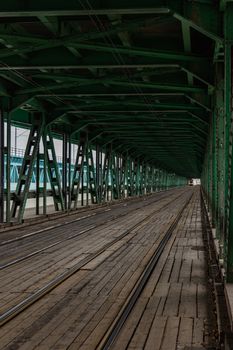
pixel 175 273
pixel 171 307
pixel 188 300
pixel 202 300
pixel 156 334
pixel 185 335
pixel 171 334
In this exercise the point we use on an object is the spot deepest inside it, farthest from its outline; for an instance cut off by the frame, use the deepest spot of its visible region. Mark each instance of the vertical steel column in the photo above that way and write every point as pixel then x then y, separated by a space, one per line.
pixel 2 155
pixel 51 167
pixel 8 169
pixel 129 178
pixel 78 173
pixel 210 179
pixel 146 178
pixel 45 161
pixel 153 179
pixel 101 176
pixel 106 171
pixel 220 154
pixel 97 169
pixel 112 164
pixel 82 190
pixel 164 180
pixel 118 177
pixel 228 143
pixel 38 181
pixel 137 177
pixel 168 181
pixel 134 177
pixel 64 169
pixel 126 175
pixel 161 180
pixel 87 173
pixel 156 180
pixel 26 171
pixel 142 178
pixel 149 180
pixel 69 171
pixel 123 175
pixel 227 124
pixel 91 176
pixel 114 171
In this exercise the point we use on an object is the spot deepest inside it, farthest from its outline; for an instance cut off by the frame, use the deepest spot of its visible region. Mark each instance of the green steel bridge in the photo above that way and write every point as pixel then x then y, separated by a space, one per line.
pixel 143 88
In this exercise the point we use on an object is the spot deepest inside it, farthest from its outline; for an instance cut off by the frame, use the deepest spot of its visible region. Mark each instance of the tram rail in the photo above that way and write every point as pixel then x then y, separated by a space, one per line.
pixel 53 283
pixel 82 231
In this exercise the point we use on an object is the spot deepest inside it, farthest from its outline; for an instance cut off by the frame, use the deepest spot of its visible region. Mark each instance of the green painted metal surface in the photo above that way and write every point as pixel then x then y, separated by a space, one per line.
pixel 148 83
pixel 141 76
pixel 217 171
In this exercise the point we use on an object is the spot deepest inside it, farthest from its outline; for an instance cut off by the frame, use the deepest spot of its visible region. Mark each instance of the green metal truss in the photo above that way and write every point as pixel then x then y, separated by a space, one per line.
pixel 136 67
pixel 137 86
pixel 26 171
pixel 52 169
pixel 217 173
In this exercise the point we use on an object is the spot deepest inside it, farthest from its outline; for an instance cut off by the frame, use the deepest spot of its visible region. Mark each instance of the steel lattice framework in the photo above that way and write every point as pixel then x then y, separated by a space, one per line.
pixel 138 77
pixel 144 88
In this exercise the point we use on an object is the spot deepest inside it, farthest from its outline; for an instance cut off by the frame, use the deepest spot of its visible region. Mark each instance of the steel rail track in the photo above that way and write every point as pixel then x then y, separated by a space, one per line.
pixel 41 292
pixel 72 212
pixel 111 335
pixel 27 235
pixel 57 215
pixel 28 256
pixel 99 212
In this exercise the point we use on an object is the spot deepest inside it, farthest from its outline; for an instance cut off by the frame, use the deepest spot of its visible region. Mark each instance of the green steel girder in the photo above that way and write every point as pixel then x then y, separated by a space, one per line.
pixel 163 55
pixel 155 86
pixel 53 171
pixel 170 68
pixel 217 167
pixel 113 103
pixel 154 129
pixel 138 103
pixel 131 112
pixel 136 81
pixel 47 43
pixel 97 61
pixel 26 171
pixel 169 116
pixel 50 8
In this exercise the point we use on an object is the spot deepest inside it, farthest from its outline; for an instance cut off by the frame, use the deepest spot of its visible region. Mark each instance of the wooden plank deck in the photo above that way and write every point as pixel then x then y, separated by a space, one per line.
pixel 176 313
pixel 172 313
